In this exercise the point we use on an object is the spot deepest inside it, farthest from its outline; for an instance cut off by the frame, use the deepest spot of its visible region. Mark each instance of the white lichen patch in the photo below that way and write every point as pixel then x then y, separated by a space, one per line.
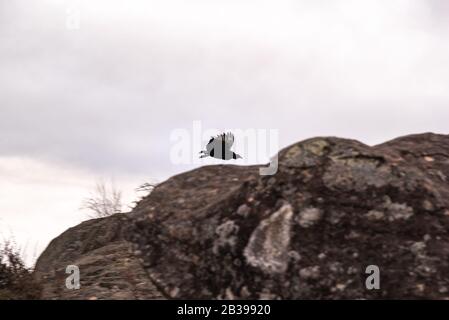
pixel 427 205
pixel 398 211
pixel 375 215
pixel 310 272
pixel 226 233
pixel 308 217
pixel 390 211
pixel 268 246
pixel 418 248
pixel 243 210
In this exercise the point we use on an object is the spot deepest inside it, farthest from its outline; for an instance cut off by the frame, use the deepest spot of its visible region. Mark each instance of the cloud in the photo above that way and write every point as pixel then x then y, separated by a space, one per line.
pixel 108 95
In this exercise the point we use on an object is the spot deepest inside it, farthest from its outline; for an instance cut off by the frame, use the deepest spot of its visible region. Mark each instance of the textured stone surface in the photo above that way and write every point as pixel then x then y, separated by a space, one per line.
pixel 334 207
pixel 108 267
pixel 268 245
pixel 309 232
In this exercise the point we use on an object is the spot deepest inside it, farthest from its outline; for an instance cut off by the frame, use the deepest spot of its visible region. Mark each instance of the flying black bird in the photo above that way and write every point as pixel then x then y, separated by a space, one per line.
pixel 219 147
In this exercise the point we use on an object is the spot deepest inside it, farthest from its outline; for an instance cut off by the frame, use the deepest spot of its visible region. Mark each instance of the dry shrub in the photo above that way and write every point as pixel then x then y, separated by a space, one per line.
pixel 16 280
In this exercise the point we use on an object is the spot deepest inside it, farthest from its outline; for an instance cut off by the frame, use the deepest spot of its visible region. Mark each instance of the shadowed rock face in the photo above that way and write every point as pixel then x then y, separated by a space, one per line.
pixel 334 207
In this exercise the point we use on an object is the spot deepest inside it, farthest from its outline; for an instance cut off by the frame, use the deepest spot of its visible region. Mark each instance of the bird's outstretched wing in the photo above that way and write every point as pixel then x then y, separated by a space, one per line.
pixel 217 142
pixel 229 140
pixel 213 142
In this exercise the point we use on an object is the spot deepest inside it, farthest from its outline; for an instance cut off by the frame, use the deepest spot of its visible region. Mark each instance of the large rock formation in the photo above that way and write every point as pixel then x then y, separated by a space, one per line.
pixel 334 207
pixel 108 269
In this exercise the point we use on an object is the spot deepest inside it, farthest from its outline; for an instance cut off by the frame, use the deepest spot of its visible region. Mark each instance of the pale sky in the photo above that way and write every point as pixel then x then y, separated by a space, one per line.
pixel 101 100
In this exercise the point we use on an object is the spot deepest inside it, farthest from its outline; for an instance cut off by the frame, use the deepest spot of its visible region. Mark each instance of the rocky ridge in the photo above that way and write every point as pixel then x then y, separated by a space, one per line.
pixel 334 207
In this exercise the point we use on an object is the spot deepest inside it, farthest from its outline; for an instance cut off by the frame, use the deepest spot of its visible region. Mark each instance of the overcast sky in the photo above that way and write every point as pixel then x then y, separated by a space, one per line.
pixel 99 96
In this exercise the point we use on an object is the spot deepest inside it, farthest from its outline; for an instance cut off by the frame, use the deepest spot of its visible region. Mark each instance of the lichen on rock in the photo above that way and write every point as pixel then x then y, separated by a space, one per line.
pixel 268 245
pixel 308 217
pixel 227 236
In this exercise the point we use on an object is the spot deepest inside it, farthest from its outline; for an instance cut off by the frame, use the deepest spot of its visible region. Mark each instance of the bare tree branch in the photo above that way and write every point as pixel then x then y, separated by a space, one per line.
pixel 104 202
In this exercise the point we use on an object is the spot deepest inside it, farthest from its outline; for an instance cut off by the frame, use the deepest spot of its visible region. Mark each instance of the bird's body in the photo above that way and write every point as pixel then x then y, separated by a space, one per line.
pixel 219 147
